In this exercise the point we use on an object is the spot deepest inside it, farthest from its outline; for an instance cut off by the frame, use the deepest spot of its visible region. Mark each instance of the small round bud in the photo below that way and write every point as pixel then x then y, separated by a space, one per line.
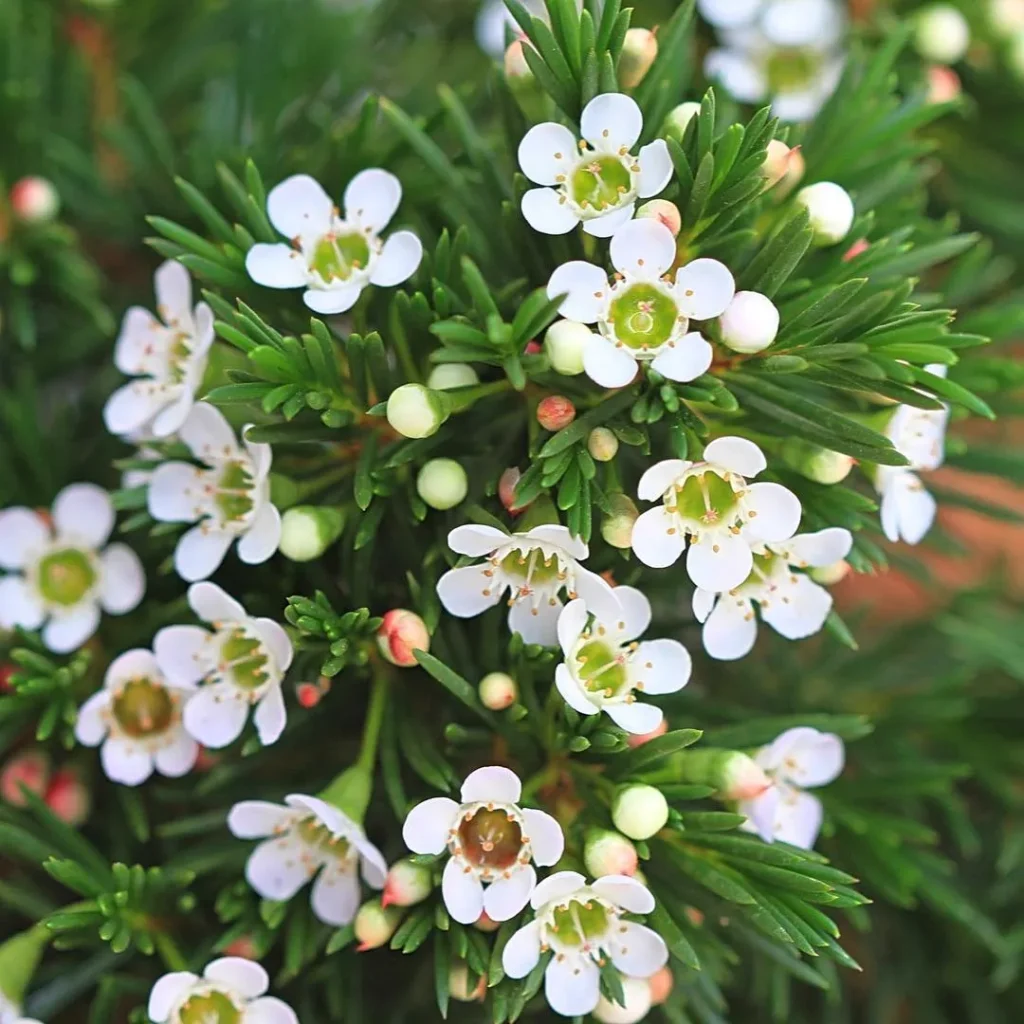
pixel 637 994
pixel 446 376
pixel 816 463
pixel 486 924
pixel 507 484
pixel 665 212
pixel 462 989
pixel 31 769
pixel 401 633
pixel 374 925
pixel 416 411
pixel 1006 16
pixel 830 575
pixel 602 444
pixel 407 884
pixel 778 163
pixel 307 531
pixel 533 348
pixel 831 211
pixel 617 528
pixel 639 51
pixel 564 343
pixel 861 245
pixel 516 67
pixel 639 741
pixel 442 483
pixel 942 34
pixel 750 324
pixel 640 811
pixel 943 84
pixel 735 775
pixel 244 946
pixel 34 200
pixel 674 125
pixel 68 797
pixel 555 412
pixel 7 671
pixel 308 695
pixel 661 986
pixel 609 853
pixel 498 691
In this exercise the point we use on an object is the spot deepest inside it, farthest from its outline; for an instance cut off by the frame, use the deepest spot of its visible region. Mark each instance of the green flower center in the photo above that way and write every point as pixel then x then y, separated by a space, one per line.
pixel 762 571
pixel 579 922
pixel 66 576
pixel 337 257
pixel 599 668
pixel 243 656
pixel 178 357
pixel 491 839
pixel 234 491
pixel 532 566
pixel 209 1008
pixel 707 498
pixel 644 317
pixel 600 182
pixel 144 708
pixel 789 70
pixel 320 837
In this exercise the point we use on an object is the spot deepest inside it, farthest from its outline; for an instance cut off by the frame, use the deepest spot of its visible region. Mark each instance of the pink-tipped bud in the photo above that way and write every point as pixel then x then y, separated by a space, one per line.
pixel 407 884
pixel 7 671
pixel 516 67
pixel 943 84
pixel 486 924
pixel 374 925
pixel 661 986
pixel 498 691
pixel 830 575
pixel 734 775
pixel 243 946
pixel 69 797
pixel 462 988
pixel 639 51
pixel 861 245
pixel 507 484
pixel 401 633
pixel 694 916
pixel 639 741
pixel 207 759
pixel 533 348
pixel 31 769
pixel 308 694
pixel 609 853
pixel 779 162
pixel 665 212
pixel 34 200
pixel 555 412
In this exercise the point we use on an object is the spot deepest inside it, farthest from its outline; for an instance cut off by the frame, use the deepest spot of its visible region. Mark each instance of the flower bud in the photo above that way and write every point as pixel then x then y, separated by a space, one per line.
pixel 735 775
pixel 661 986
pixel 564 344
pixel 555 412
pixel 459 985
pixel 818 464
pixel 617 528
pixel 68 797
pixel 34 200
pixel 637 995
pixel 498 691
pixel 609 853
pixel 307 531
pixel 1006 16
pixel 407 884
pixel 416 411
pixel 943 84
pixel 861 245
pixel 665 212
pixel 674 125
pixel 308 695
pixel 776 163
pixel 831 211
pixel 442 483
pixel 830 575
pixel 516 66
pixel 942 34
pixel 374 925
pixel 639 741
pixel 7 671
pixel 31 769
pixel 639 811
pixel 401 633
pixel 244 946
pixel 639 51
pixel 507 484
pixel 795 170
pixel 750 324
pixel 486 924
pixel 446 376
pixel 602 444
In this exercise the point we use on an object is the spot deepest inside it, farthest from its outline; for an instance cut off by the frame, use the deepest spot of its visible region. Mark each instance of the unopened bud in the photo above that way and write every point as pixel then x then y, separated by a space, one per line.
pixel 31 769
pixel 733 774
pixel 637 995
pixel 942 34
pixel 858 247
pixel 639 811
pixel 442 483
pixel 639 51
pixel 498 691
pixel 664 212
pixel 609 853
pixel 674 125
pixel 661 986
pixel 462 988
pixel 374 925
pixel 779 162
pixel 244 946
pixel 7 671
pixel 69 797
pixel 555 412
pixel 565 343
pixel 639 741
pixel 830 575
pixel 831 211
pixel 407 884
pixel 750 324
pixel 1007 16
pixel 943 84
pixel 819 464
pixel 602 444
pixel 446 376
pixel 507 484
pixel 416 411
pixel 617 527
pixel 34 200
pixel 516 66
pixel 401 633
pixel 308 695
pixel 485 923
pixel 307 531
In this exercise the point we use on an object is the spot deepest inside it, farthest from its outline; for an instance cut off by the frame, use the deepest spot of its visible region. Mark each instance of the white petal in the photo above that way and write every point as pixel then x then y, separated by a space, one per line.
pixel 572 693
pixel 255 819
pixel 208 434
pixel 805 757
pixel 173 288
pixel 19 605
pixel 335 897
pixel 704 289
pixel 463 894
pixel 467 592
pixel 798 106
pixel 373 866
pixel 571 623
pixel 798 818
pixel 67 632
pixel 546 151
pixel 214 605
pixel 522 951
pixel 262 538
pixel 738 74
pixel 643 248
pixel 171 418
pixel 639 719
pixel 600 596
pixel 275 639
pixel 761 813
pixel 612 120
pixel 270 717
pixel 276 868
pixel 608 365
pixel 243 976
pixel 625 892
pixel 546 838
pixel 276 266
pixel 398 261
pixel 216 715
pixel 475 540
pixel 506 897
pixel 720 562
pixel 184 654
pixel 141 342
pixel 23 534
pixel 536 625
pixel 134 664
pixel 657 539
pixel 133 405
pixel 608 223
pixel 168 991
pixel 778 514
pixel 123 579
pixel 91 726
pixel 172 493
pixel 655 168
pixel 299 206
pixel 660 477
pixel 556 887
pixel 908 510
pixel 125 762
pixel 83 512
pixel 177 758
pixel 572 987
pixel 585 288
pixel 269 1010
pixel 636 611
pixel 559 536
pixel 727 13
pixel 703 604
pixel 798 608
pixel 638 951
pixel 494 783
pixel 200 552
pixel 372 198
pixel 731 629
pixel 338 299
pixel 663 665
pixel 686 360
pixel 545 212
pixel 326 814
pixel 427 825
pixel 736 454
pixel 795 23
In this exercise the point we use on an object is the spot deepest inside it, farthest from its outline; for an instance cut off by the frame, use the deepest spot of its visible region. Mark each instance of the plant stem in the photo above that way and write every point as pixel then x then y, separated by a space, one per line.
pixel 169 952
pixel 374 721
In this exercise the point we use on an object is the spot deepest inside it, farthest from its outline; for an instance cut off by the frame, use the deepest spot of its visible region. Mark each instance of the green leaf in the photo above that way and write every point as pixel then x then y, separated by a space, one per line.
pixel 653 751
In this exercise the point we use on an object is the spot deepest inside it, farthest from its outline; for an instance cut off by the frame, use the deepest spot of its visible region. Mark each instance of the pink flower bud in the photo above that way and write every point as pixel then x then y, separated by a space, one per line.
pixel 743 778
pixel 243 946
pixel 830 575
pixel 498 691
pixel 459 985
pixel 661 986
pixel 665 212
pixel 31 769
pixel 555 412
pixel 639 741
pixel 308 694
pixel 486 924
pixel 207 759
pixel 374 925
pixel 68 797
pixel 533 348
pixel 779 161
pixel 609 853
pixel 507 490
pixel 943 84
pixel 7 671
pixel 861 245
pixel 34 200
pixel 407 884
pixel 639 51
pixel 401 633
pixel 515 62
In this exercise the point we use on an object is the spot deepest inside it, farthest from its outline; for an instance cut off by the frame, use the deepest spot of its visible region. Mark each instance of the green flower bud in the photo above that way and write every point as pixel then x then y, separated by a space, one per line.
pixel 817 463
pixel 750 324
pixel 564 343
pixel 830 575
pixel 674 125
pixel 374 924
pixel 498 691
pixel 442 483
pixel 640 811
pixel 637 995
pixel 617 528
pixel 407 884
pixel 446 376
pixel 609 853
pixel 416 411
pixel 602 444
pixel 639 51
pixel 734 775
pixel 942 34
pixel 307 531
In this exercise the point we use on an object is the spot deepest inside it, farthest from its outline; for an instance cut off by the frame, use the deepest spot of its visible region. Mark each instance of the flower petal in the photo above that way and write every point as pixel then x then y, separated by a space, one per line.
pixel 134 664
pixel 184 653
pixel 908 510
pixel 83 512
pixel 636 611
pixel 174 493
pixel 398 261
pixel 67 631
pixel 200 552
pixel 428 824
pixel 704 289
pixel 546 838
pixel 335 897
pixel 270 717
pixel 492 784
pixel 269 1010
pixel 686 360
pixel 761 812
pixel 372 199
pixel 612 120
pixel 664 666
pixel 277 869
pixel 214 605
pixel 19 606
pixel 208 434
pixel 141 342
pixel 572 987
pixel 728 13
pixel 625 892
pixel 657 540
pixel 522 952
pixel 608 223
pixel 173 288
pixel 463 894
pixel 170 419
pixel 123 579
pixel 475 540
pixel 660 478
pixel 731 629
pixel 506 897
pixel 299 206
pixel 125 762
pixel 800 105
pixel 467 592
pixel 536 625
pixel 560 537
pixel 262 538
pixel 168 991
pixel 796 23
pixel 608 365
pixel 736 454
pixel 571 622
pixel 547 151
pixel 703 604
pixel 245 977
pixel 805 757
pixel 373 866
pixel 720 562
pixel 798 818
pixel 255 819
pixel 777 514
pixel 638 952
pixel 23 535
pixel 275 639
pixel 276 265
pixel 600 597
pixel 91 725
pixel 797 608
pixel 643 248
pixel 637 718
pixel 330 301
pixel 216 715
pixel 585 288
pixel 544 210
pixel 655 168
pixel 556 887
pixel 738 73
pixel 133 405
pixel 572 693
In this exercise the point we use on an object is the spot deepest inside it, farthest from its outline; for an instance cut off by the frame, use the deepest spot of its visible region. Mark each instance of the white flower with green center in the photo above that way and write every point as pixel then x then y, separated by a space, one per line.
pixel 167 356
pixel 335 255
pixel 230 991
pixel 584 926
pixel 240 662
pixel 491 841
pixel 595 182
pixel 61 570
pixel 533 567
pixel 604 670
pixel 642 314
pixel 800 759
pixel 788 600
pixel 726 520
pixel 228 496
pixel 308 837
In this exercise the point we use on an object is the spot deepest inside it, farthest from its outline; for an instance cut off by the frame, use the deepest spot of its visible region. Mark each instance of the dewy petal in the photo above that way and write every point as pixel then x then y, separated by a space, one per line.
pixel 467 592
pixel 536 625
pixel 545 212
pixel 330 301
pixel 798 818
pixel 262 538
pixel 736 454
pixel 492 784
pixel 200 552
pixel 806 757
pixel 91 725
pixel 463 894
pixel 83 512
pixel 23 535
pixel 506 897
pixel 123 579
pixel 216 715
pixel 738 73
pixel 19 606
pixel 571 623
pixel 255 819
pixel 125 762
pixel 208 434
pixel 475 540
pixel 269 1010
pixel 178 757
pixel 608 223
pixel 720 562
pixel 655 168
pixel 731 629
pixel 299 207
pixel 572 987
pixel 427 825
pixel 612 120
pixel 398 261
pixel 664 666
pixel 636 611
pixel 171 497
pixel 572 693
pixel 608 365
pixel 546 152
pixel 660 477
pixel 546 838
pixel 585 288
pixel 167 992
pixel 798 608
pixel 638 951
pixel 643 248
pixel 704 289
pixel 637 718
pixel 133 405
pixel 67 632
pixel 657 540
pixel 690 357
pixel 728 13
pixel 243 976
pixel 270 716
pixel 335 896
pixel 778 515
pixel 522 952
pixel 372 199
pixel 212 604
pixel 276 265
